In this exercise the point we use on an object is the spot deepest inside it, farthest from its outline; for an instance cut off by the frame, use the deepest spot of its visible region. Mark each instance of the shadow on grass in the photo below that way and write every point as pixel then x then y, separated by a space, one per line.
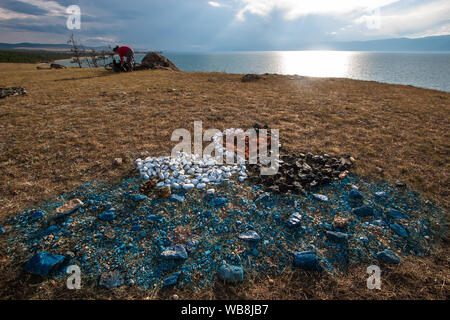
pixel 103 74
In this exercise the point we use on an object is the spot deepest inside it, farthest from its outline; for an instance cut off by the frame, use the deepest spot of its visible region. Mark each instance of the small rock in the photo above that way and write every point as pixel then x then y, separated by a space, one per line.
pixel 355 194
pixel 177 198
pixel 307 260
pixel 118 161
pixel 43 263
pixel 177 252
pixel 249 235
pixel 381 194
pixel 395 214
pixel 320 197
pixel 218 202
pixel 138 197
pixel 230 273
pixel 340 222
pixel 343 174
pixel 111 279
pixel 69 206
pixel 388 256
pixel 210 191
pixel 175 297
pixel 163 192
pixel 37 214
pixel 294 220
pixel 154 217
pixel 398 229
pixel 251 78
pixel 339 237
pixel 363 211
pixel 172 279
pixel 188 186
pixel 107 215
pixel 400 184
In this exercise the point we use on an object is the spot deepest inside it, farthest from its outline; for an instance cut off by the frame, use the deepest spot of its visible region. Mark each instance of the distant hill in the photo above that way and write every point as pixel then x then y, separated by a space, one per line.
pixel 50 47
pixel 437 43
pixel 43 47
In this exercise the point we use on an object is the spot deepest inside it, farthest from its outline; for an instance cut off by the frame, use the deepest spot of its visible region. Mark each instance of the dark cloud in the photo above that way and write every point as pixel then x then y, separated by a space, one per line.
pixel 22 7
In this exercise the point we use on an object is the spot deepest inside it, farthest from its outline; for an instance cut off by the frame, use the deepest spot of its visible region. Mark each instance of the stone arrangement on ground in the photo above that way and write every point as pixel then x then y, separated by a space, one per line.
pixel 119 236
pixel 12 91
pixel 303 171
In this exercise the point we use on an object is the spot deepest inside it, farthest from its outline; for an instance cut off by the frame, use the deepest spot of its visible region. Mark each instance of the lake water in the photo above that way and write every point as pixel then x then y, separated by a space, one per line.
pixel 427 70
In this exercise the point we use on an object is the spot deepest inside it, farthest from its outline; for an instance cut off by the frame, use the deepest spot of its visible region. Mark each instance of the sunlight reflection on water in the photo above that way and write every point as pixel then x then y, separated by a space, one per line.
pixel 316 63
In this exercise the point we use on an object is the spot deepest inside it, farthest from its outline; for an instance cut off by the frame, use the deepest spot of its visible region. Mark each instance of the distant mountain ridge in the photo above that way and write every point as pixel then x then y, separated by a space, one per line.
pixel 434 43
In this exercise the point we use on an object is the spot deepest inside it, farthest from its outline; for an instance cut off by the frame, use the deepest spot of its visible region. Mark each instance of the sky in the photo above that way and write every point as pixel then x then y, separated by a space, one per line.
pixel 199 25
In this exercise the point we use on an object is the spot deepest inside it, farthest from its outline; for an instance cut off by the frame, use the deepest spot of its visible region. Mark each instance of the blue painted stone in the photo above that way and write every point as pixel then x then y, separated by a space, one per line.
pixel 307 260
pixel 154 217
pixel 337 236
pixel 136 227
pixel 230 273
pixel 294 220
pixel 388 256
pixel 363 211
pixel 172 279
pixel 37 214
pixel 107 215
pixel 218 202
pixel 52 230
pixel 177 198
pixel 320 197
pixel 43 263
pixel 255 252
pixel 398 229
pixel 249 235
pixel 111 279
pixel 176 252
pixel 381 194
pixel 355 194
pixel 395 214
pixel 2 230
pixel 138 197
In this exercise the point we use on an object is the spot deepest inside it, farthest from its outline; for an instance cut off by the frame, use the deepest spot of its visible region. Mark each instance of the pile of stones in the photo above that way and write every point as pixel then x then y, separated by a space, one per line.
pixel 189 171
pixel 12 91
pixel 303 171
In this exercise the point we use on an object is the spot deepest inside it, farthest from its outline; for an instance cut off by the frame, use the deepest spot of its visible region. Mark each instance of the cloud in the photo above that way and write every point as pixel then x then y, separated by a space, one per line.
pixel 294 9
pixel 52 8
pixel 6 14
pixel 214 4
pixel 412 20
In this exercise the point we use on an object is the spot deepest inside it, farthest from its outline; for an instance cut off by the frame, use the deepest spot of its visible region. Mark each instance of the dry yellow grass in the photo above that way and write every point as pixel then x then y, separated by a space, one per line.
pixel 74 122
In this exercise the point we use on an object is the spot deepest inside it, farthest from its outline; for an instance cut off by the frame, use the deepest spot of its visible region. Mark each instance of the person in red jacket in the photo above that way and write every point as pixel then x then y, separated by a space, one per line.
pixel 127 52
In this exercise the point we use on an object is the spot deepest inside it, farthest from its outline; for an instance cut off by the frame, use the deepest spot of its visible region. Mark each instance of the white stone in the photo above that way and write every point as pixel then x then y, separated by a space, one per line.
pixel 210 191
pixel 201 186
pixel 188 186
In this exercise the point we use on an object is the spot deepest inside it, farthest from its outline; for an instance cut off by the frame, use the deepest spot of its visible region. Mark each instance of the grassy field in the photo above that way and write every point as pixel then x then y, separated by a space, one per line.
pixel 32 56
pixel 74 122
